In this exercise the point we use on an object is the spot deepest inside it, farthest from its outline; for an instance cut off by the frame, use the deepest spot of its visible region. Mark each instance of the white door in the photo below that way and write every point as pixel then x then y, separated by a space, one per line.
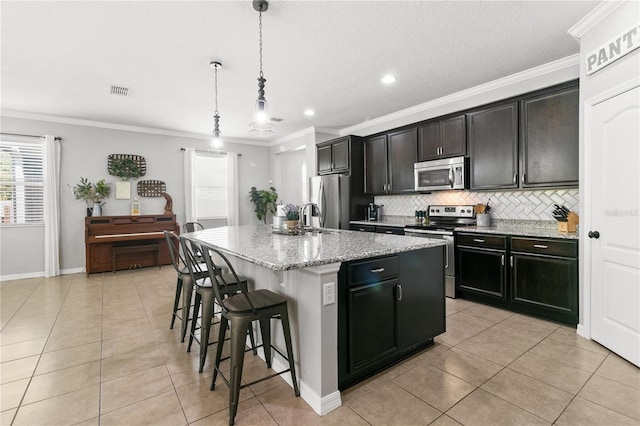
pixel 613 127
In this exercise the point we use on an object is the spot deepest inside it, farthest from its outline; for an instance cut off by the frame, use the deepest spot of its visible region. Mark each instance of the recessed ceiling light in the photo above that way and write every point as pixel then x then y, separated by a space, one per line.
pixel 388 79
pixel 309 112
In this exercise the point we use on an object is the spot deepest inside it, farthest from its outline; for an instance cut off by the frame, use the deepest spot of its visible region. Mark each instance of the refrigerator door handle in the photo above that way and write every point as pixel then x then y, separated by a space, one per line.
pixel 321 204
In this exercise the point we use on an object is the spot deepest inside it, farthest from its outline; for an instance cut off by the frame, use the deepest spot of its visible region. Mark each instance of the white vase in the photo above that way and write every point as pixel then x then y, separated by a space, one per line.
pixel 97 210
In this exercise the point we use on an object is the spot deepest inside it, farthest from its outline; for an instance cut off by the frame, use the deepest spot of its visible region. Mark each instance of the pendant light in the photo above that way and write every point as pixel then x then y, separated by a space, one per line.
pixel 216 142
pixel 261 124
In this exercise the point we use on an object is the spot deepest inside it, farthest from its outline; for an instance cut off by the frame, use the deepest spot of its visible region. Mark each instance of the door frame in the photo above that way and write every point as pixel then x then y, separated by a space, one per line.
pixel 584 327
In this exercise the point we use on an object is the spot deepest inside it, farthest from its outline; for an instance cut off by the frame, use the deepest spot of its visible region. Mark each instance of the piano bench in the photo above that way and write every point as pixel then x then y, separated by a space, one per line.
pixel 129 249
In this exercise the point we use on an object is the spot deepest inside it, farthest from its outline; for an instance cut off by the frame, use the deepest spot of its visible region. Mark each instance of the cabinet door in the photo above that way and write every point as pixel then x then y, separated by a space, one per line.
pixel 421 308
pixel 401 157
pixel 375 165
pixel 340 156
pixel 549 139
pixel 482 272
pixel 429 141
pixel 454 136
pixel 493 147
pixel 372 323
pixel 547 284
pixel 389 230
pixel 324 159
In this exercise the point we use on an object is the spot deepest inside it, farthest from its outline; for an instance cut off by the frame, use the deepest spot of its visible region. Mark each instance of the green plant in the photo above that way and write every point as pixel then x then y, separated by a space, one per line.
pixel 124 168
pixel 264 201
pixel 292 212
pixel 85 190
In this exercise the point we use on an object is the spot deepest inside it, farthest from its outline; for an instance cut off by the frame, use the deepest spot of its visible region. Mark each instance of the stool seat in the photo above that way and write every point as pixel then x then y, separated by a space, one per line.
pixel 254 300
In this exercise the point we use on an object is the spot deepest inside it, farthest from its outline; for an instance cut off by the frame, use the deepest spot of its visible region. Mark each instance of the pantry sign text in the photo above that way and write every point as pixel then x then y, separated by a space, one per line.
pixel 614 49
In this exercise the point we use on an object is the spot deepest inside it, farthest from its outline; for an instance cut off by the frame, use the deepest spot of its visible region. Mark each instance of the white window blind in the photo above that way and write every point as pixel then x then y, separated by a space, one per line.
pixel 210 184
pixel 21 180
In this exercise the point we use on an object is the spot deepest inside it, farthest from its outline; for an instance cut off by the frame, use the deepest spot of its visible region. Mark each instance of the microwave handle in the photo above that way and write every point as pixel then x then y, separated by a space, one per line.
pixel 451 176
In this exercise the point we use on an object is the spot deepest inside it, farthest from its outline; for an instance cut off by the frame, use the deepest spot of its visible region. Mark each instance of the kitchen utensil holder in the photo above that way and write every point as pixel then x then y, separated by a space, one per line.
pixel 483 219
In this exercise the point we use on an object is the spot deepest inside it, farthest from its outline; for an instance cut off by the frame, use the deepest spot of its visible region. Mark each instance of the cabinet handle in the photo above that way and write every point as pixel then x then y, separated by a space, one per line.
pixel 361 229
pixel 515 178
pixel 399 292
pixel 377 271
pixel 540 246
pixel 478 240
pixel 523 177
pixel 502 260
pixel 512 261
pixel 388 232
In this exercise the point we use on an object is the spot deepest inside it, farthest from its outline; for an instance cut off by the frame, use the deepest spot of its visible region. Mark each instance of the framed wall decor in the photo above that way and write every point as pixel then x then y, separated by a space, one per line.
pixel 123 190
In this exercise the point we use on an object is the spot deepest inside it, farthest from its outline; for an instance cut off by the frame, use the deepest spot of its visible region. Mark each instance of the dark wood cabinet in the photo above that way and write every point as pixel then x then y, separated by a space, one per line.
pixel 389 161
pixel 544 278
pixel 388 308
pixel 338 155
pixel 442 138
pixel 493 146
pixel 362 228
pixel 549 139
pixel 396 230
pixel 481 265
pixel 529 275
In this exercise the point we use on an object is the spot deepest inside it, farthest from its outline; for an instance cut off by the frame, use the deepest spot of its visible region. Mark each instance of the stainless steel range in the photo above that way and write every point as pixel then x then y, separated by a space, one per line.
pixel 442 221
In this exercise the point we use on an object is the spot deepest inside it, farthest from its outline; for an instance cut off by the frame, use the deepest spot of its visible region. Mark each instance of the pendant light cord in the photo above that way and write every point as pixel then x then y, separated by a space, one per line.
pixel 260 27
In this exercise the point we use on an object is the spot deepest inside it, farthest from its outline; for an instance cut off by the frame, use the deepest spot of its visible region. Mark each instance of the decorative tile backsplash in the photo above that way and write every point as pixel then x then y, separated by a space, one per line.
pixel 527 205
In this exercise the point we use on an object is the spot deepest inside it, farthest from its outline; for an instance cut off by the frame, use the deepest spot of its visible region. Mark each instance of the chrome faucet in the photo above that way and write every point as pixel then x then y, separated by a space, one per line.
pixel 301 215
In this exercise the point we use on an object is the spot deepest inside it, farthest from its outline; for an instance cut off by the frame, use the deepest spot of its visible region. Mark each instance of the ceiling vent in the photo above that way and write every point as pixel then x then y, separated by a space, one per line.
pixel 119 90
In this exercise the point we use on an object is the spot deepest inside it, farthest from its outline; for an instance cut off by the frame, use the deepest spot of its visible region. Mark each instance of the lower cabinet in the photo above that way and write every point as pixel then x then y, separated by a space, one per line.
pixel 381 229
pixel 529 275
pixel 388 308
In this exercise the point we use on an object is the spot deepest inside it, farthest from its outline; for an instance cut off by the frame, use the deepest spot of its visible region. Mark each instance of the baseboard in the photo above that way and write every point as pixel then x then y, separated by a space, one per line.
pixel 39 274
pixel 582 332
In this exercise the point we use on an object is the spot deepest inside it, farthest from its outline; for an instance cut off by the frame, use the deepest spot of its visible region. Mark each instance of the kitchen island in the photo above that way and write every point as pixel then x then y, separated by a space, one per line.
pixel 310 270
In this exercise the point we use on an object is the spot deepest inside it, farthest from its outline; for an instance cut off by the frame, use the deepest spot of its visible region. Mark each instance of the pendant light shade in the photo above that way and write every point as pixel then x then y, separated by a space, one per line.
pixel 216 141
pixel 261 124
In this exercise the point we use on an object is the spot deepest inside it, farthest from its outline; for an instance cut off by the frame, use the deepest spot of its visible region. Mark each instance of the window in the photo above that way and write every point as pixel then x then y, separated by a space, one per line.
pixel 21 180
pixel 210 186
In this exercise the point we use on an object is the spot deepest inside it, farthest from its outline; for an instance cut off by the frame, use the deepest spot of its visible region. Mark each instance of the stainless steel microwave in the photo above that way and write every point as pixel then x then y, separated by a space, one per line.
pixel 437 175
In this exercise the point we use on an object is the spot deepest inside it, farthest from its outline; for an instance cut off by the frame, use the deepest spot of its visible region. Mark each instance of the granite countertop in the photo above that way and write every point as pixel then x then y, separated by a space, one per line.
pixel 524 228
pixel 396 221
pixel 257 244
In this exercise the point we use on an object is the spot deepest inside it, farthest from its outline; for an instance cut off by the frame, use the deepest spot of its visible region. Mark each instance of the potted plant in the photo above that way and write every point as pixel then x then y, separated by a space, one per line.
pixel 93 195
pixel 264 201
pixel 292 215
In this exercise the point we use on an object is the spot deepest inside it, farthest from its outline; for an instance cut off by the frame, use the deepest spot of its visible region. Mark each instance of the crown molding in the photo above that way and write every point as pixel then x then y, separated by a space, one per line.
pixel 116 126
pixel 304 132
pixel 598 13
pixel 551 67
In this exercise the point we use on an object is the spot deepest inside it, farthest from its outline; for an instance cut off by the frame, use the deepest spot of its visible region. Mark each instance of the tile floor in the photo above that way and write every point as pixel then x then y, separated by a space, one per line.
pixel 98 351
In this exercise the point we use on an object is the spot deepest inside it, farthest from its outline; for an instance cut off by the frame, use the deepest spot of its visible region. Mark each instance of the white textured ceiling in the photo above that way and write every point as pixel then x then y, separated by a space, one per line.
pixel 60 58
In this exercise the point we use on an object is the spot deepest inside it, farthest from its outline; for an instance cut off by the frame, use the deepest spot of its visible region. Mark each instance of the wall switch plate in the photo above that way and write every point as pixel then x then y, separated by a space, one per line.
pixel 329 293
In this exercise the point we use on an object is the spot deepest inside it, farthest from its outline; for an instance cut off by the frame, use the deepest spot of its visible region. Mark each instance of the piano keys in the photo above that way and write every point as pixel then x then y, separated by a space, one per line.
pixel 103 233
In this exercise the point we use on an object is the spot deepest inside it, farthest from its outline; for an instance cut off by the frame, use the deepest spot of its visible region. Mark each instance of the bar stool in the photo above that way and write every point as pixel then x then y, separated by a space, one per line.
pixel 239 311
pixel 205 298
pixel 184 284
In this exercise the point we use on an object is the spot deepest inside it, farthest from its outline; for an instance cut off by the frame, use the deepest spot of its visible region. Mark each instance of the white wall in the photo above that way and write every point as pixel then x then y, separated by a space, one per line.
pixel 84 153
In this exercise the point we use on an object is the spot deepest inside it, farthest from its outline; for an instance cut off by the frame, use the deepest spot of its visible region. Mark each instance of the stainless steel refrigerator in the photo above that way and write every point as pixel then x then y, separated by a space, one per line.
pixel 338 199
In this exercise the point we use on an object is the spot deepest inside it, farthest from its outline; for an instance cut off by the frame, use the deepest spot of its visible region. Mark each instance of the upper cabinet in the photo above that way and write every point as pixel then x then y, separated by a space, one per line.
pixel 389 160
pixel 442 138
pixel 336 156
pixel 527 142
pixel 549 139
pixel 493 146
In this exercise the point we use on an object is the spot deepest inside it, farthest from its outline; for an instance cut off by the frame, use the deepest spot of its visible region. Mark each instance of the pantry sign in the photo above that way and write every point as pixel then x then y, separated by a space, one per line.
pixel 614 49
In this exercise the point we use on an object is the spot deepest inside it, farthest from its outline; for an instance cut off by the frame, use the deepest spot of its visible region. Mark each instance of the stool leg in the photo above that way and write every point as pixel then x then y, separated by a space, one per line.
pixel 205 325
pixel 176 302
pixel 253 340
pixel 187 293
pixel 194 320
pixel 265 331
pixel 238 342
pixel 224 325
pixel 284 316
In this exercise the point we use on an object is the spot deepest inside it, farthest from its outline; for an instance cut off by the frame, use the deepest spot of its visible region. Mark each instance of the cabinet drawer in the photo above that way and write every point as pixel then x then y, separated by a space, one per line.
pixel 482 240
pixel 390 230
pixel 543 246
pixel 373 270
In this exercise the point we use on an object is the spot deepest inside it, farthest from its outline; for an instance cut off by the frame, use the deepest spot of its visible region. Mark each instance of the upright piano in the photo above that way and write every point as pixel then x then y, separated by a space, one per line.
pixel 126 242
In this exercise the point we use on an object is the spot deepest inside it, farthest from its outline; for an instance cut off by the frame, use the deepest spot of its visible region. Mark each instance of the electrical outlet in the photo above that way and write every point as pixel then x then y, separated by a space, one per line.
pixel 329 293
